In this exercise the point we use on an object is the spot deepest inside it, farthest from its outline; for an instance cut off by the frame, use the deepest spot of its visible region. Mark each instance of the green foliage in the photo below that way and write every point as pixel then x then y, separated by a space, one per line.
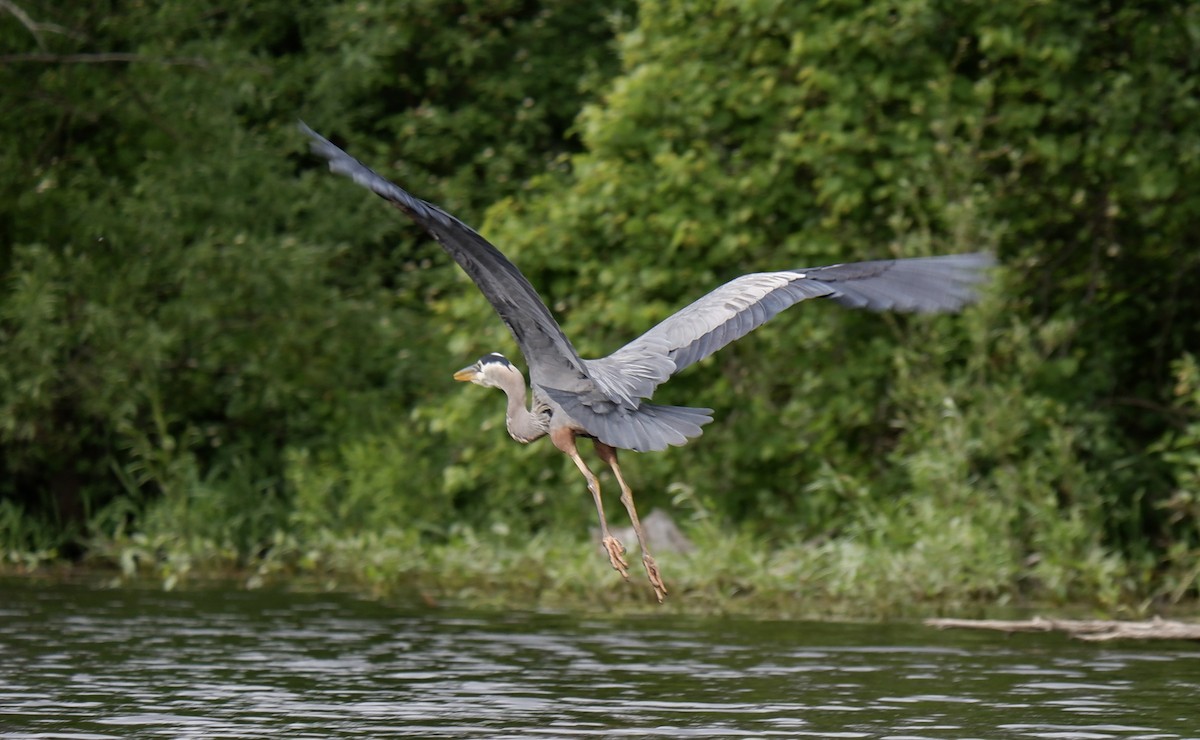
pixel 192 346
pixel 1180 450
pixel 743 137
pixel 215 350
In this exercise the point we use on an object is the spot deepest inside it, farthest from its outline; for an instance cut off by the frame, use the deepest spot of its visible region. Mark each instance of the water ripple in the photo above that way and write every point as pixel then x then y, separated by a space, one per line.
pixel 93 665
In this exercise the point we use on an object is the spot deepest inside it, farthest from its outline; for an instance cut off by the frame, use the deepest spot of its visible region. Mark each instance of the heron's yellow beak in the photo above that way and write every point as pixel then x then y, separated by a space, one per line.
pixel 467 374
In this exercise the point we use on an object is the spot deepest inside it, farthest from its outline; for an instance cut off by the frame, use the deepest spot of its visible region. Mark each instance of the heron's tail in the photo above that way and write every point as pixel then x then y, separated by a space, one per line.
pixel 651 427
pixel 647 427
pixel 682 420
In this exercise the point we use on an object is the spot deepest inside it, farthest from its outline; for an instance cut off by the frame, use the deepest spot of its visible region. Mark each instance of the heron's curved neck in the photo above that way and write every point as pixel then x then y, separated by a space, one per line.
pixel 523 425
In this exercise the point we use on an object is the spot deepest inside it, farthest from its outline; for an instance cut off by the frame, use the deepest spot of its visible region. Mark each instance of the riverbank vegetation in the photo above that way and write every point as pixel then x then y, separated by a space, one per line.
pixel 216 355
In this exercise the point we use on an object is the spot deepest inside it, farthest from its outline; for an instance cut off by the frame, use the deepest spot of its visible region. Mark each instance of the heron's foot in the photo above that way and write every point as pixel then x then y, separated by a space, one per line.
pixel 660 588
pixel 615 550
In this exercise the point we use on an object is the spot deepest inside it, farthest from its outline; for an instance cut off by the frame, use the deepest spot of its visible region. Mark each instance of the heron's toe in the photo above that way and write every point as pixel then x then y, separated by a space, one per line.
pixel 615 550
pixel 660 588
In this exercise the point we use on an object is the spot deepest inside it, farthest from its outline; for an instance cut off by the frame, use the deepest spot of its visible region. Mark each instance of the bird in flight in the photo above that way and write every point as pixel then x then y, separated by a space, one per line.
pixel 607 400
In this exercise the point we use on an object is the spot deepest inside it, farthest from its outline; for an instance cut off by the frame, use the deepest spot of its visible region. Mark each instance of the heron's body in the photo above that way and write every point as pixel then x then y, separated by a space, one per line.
pixel 607 399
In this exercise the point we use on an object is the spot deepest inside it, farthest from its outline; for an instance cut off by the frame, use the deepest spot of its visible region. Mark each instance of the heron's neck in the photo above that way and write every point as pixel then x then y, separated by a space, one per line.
pixel 523 425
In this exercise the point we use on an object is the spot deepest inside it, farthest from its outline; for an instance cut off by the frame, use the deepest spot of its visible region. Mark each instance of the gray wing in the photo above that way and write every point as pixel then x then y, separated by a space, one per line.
pixel 923 284
pixel 547 350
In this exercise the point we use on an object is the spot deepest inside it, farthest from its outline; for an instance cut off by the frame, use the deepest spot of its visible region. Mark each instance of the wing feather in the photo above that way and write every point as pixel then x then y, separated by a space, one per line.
pixel 624 378
pixel 924 285
pixel 541 340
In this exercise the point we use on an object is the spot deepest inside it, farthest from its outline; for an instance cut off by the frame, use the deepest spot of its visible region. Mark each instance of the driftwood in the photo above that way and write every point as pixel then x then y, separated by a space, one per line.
pixel 1095 630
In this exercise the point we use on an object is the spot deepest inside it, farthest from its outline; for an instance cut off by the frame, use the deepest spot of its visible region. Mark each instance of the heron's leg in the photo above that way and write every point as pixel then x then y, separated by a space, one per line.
pixel 609 455
pixel 564 439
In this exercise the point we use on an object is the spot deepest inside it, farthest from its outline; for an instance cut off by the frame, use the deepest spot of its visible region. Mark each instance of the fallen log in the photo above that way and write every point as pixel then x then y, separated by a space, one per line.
pixel 1094 630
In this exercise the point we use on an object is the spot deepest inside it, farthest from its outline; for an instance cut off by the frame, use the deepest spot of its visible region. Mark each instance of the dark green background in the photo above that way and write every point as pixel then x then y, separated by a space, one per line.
pixel 206 335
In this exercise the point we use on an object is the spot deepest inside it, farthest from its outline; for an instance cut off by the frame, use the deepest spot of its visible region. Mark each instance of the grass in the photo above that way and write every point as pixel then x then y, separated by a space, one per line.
pixel 729 573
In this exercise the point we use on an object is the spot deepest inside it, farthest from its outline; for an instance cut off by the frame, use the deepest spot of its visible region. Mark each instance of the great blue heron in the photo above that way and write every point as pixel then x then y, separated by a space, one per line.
pixel 606 400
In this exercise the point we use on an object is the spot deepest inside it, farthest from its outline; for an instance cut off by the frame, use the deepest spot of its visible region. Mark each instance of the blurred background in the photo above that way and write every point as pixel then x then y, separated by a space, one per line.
pixel 216 357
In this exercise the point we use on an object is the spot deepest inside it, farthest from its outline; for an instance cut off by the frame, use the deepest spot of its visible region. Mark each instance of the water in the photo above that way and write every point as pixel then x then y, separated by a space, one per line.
pixel 83 664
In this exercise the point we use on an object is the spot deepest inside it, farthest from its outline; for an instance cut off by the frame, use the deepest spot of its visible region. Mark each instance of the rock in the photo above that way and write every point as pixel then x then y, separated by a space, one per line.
pixel 662 534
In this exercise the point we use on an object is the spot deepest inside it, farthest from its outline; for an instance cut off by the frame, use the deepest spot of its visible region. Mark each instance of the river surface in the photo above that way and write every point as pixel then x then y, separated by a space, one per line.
pixel 84 663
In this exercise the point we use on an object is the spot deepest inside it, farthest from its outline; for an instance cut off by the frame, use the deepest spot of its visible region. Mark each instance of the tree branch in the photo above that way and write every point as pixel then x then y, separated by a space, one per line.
pixel 1094 630
pixel 102 58
pixel 31 25
pixel 35 28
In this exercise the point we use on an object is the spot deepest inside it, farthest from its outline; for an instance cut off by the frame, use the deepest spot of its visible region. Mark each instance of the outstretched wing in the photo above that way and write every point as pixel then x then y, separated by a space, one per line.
pixel 923 284
pixel 541 340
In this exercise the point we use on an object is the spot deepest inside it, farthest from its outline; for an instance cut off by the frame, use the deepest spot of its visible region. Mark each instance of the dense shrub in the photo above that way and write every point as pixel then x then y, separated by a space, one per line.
pixel 198 321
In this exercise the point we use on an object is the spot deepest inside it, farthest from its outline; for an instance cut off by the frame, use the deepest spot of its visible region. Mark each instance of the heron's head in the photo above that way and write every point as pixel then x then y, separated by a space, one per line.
pixel 490 371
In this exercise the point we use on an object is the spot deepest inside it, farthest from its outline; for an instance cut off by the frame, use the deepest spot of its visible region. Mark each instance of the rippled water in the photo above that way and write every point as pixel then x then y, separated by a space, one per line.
pixel 80 663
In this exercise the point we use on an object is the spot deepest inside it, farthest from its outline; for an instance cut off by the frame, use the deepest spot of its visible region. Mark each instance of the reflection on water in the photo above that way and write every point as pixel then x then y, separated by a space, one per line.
pixel 78 663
